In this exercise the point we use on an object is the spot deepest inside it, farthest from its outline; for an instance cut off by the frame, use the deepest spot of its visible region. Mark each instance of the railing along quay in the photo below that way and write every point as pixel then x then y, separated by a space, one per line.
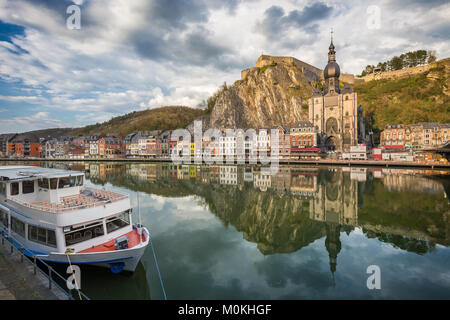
pixel 16 245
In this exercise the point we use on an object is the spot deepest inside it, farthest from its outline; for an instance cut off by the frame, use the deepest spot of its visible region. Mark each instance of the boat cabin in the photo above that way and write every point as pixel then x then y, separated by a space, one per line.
pixel 66 213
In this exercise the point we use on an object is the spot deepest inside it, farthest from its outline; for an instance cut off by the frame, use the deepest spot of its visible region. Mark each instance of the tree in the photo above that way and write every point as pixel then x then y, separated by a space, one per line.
pixel 405 60
pixel 369 69
pixel 431 56
pixel 396 63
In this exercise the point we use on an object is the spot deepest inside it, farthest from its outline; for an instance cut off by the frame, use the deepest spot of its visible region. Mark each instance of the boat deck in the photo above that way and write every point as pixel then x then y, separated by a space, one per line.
pixel 86 199
pixel 133 240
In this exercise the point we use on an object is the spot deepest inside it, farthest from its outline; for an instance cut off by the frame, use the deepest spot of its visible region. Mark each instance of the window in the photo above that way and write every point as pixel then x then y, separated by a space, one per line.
pixel 14 188
pixel 76 235
pixel 2 189
pixel 79 181
pixel 27 187
pixel 18 227
pixel 43 183
pixel 67 182
pixel 41 235
pixel 4 218
pixel 53 183
pixel 118 222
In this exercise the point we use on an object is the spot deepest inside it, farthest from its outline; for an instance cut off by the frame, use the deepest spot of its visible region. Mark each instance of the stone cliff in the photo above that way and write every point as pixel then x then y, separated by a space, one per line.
pixel 275 93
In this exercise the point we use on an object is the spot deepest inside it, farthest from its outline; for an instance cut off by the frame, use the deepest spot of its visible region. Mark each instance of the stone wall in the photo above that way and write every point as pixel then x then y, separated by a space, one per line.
pixel 399 73
pixel 311 72
pixel 350 78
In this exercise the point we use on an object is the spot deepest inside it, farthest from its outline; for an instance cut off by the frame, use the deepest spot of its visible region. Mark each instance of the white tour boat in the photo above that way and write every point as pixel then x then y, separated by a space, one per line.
pixel 52 215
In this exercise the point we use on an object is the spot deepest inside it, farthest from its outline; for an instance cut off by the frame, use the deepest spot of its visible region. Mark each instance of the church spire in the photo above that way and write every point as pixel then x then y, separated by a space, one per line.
pixel 333 245
pixel 331 52
pixel 332 71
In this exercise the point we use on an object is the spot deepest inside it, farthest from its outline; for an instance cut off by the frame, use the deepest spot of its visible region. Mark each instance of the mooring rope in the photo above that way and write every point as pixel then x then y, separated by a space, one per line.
pixel 157 267
pixel 69 251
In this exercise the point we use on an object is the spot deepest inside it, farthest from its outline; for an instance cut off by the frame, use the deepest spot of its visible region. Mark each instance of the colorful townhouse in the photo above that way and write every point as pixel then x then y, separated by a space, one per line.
pixel 25 145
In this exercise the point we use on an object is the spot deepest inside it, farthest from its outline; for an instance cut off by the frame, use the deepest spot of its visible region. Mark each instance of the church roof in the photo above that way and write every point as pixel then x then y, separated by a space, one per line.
pixel 347 89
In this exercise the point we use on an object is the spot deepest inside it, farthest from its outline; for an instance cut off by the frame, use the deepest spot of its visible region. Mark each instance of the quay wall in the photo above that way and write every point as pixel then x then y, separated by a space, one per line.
pixel 324 162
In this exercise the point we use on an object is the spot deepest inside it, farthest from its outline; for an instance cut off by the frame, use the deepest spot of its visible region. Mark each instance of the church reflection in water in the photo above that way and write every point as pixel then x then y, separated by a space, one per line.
pixel 298 205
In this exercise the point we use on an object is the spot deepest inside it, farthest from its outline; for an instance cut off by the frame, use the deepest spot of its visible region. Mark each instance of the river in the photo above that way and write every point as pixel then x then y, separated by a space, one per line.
pixel 234 232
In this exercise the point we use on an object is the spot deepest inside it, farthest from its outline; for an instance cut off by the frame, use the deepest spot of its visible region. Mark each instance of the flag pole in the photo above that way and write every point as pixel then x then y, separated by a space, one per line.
pixel 140 223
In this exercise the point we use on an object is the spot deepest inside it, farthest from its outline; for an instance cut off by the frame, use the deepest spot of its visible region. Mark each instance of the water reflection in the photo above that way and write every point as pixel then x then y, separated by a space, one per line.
pixel 315 229
pixel 285 200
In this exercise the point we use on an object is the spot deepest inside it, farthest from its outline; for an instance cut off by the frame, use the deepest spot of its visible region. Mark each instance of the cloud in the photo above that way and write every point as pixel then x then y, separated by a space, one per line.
pixel 39 120
pixel 132 55
pixel 276 23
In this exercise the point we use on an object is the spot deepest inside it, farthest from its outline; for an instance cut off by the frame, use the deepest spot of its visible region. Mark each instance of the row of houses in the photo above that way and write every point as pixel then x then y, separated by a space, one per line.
pixel 415 136
pixel 300 138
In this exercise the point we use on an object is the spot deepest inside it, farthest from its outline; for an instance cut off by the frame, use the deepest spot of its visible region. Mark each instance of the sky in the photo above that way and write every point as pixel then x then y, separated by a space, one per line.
pixel 134 55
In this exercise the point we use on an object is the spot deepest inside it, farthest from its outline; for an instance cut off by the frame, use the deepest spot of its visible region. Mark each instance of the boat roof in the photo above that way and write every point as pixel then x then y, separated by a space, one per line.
pixel 29 172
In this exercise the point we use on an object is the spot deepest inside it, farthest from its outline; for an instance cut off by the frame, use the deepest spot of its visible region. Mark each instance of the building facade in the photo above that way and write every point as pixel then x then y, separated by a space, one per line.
pixel 415 136
pixel 335 113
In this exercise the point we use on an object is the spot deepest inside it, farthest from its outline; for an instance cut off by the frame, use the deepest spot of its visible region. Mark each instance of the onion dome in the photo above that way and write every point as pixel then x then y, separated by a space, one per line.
pixel 332 69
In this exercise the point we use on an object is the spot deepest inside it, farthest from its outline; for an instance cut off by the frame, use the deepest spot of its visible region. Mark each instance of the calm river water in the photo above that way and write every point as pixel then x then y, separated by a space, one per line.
pixel 232 232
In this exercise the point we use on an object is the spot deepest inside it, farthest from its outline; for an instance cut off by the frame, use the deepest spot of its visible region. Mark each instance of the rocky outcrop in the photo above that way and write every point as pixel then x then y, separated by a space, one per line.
pixel 274 94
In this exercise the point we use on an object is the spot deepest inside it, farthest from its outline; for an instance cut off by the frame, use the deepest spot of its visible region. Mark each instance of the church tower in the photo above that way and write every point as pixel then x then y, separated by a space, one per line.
pixel 333 245
pixel 335 112
pixel 332 72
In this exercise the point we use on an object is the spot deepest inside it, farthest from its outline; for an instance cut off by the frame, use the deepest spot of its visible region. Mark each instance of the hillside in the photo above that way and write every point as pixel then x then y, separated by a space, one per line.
pixel 419 98
pixel 277 93
pixel 171 117
pixel 46 133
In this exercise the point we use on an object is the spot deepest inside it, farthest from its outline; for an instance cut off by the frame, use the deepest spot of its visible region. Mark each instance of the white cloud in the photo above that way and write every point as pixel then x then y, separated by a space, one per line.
pixel 39 120
pixel 138 54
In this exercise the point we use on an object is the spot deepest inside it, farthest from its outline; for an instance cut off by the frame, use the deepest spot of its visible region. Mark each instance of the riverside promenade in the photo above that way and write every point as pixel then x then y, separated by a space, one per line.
pixel 18 281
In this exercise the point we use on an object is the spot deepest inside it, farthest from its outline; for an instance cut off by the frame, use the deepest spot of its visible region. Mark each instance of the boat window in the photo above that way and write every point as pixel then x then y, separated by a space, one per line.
pixel 84 234
pixel 27 187
pixel 4 218
pixel 67 182
pixel 18 226
pixel 14 188
pixel 79 180
pixel 118 222
pixel 43 183
pixel 42 235
pixel 3 189
pixel 53 183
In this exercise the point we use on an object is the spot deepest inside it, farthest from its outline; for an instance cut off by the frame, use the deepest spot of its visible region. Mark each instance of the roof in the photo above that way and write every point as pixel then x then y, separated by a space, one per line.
pixel 302 124
pixel 34 173
pixel 31 137
pixel 7 137
pixel 394 126
pixel 429 125
pixel 347 89
pixel 305 149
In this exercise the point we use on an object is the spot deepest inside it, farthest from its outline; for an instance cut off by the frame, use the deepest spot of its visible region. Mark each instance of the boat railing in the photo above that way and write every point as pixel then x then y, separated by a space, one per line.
pixel 49 274
pixel 59 208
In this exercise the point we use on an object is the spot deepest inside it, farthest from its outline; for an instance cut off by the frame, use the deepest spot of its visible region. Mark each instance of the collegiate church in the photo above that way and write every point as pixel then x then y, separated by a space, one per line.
pixel 335 113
